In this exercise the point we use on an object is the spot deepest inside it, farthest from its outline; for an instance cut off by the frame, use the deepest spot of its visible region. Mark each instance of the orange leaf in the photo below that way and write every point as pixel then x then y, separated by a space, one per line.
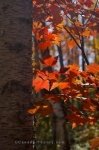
pixel 40 84
pixel 74 125
pixel 93 68
pixel 37 83
pixel 54 85
pixel 37 25
pixel 42 74
pixel 33 110
pixel 53 76
pixel 46 85
pixel 73 67
pixel 86 33
pixel 50 61
pixel 42 107
pixel 63 85
pixel 73 70
pixel 71 44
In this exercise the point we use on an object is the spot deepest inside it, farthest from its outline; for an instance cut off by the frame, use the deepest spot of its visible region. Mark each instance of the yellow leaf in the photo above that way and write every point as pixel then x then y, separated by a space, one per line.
pixel 60 26
pixel 37 25
pixel 86 33
pixel 96 43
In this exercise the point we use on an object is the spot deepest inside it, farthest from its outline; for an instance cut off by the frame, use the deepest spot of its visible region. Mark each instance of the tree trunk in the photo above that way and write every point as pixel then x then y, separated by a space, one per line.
pixel 15 74
pixel 62 136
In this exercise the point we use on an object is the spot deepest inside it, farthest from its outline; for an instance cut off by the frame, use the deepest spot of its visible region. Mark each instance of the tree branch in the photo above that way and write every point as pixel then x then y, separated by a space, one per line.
pixel 72 37
pixel 91 14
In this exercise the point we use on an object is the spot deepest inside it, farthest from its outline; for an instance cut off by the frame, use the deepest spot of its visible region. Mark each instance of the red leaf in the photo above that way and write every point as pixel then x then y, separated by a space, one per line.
pixel 44 45
pixel 88 3
pixel 89 106
pixel 76 120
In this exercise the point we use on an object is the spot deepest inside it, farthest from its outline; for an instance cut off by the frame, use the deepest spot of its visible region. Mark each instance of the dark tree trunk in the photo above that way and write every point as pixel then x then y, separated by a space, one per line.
pixel 15 74
pixel 60 57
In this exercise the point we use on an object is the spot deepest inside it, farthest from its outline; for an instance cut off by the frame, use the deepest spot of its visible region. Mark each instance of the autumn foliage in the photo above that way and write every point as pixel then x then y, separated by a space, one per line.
pixel 71 86
pixel 68 84
pixel 77 89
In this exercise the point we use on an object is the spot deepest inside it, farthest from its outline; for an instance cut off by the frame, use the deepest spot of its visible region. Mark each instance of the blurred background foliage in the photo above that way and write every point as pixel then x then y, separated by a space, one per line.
pixel 79 137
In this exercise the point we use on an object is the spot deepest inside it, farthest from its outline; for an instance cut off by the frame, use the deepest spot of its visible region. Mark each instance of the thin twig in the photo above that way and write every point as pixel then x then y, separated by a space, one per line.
pixel 69 18
pixel 71 34
pixel 91 14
